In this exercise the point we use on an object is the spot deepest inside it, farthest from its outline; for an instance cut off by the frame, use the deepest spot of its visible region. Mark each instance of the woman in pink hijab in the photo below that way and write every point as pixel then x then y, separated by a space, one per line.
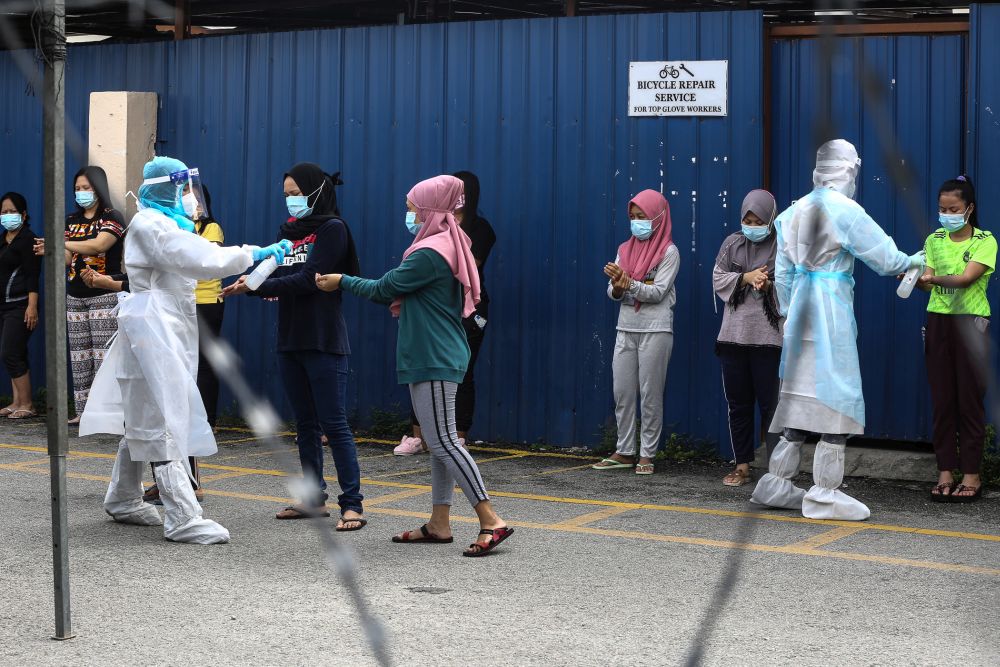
pixel 430 292
pixel 641 279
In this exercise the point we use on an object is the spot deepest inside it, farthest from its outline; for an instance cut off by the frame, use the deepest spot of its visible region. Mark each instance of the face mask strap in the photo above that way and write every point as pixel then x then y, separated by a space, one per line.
pixel 315 192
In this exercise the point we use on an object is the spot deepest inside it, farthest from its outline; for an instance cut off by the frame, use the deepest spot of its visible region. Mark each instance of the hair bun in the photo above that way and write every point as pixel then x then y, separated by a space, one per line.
pixel 335 177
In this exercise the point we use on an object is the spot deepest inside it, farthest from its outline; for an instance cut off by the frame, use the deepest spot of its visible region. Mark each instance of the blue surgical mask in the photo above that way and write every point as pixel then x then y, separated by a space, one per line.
pixel 642 229
pixel 298 206
pixel 411 223
pixel 952 222
pixel 85 198
pixel 11 221
pixel 754 233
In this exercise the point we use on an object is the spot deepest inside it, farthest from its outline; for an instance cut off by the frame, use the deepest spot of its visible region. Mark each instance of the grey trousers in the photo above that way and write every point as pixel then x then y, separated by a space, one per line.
pixel 434 405
pixel 639 370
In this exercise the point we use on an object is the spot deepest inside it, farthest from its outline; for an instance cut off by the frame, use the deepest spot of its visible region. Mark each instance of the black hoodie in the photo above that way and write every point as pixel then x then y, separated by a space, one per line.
pixel 309 318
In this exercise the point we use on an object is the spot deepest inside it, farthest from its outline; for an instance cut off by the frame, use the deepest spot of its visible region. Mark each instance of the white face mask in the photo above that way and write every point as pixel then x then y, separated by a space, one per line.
pixel 190 204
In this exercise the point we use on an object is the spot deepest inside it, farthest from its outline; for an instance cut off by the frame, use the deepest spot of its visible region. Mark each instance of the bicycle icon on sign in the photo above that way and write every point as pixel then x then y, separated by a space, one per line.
pixel 674 72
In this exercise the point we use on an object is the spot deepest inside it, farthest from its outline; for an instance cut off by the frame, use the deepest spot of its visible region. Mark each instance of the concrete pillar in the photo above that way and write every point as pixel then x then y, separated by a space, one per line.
pixel 122 137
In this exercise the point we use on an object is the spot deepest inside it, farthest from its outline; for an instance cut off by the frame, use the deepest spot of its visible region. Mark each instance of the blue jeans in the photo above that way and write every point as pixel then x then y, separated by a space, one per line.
pixel 316 385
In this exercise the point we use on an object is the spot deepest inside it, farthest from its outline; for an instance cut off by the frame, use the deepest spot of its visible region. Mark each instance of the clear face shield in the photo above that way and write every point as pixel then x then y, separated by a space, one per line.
pixel 188 193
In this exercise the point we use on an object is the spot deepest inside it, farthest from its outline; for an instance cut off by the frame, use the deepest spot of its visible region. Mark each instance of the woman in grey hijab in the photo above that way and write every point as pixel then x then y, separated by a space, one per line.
pixel 749 342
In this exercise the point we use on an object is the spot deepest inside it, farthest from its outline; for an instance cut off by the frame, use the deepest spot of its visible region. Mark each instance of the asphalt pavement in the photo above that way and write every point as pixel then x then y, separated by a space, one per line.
pixel 604 568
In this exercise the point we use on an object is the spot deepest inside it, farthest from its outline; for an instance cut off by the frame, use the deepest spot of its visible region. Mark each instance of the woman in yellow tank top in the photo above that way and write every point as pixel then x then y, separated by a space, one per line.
pixel 210 310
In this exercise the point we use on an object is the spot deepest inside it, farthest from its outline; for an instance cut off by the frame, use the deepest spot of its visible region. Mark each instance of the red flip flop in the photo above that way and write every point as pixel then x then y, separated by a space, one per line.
pixel 497 535
pixel 426 537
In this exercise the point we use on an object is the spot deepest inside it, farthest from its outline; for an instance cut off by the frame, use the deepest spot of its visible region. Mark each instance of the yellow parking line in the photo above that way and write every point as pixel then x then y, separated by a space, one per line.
pixel 828 537
pixel 393 497
pixel 677 539
pixel 250 455
pixel 24 464
pixel 905 562
pixel 403 473
pixel 591 517
pixel 237 441
pixel 556 471
pixel 224 475
pixel 360 439
pixel 594 502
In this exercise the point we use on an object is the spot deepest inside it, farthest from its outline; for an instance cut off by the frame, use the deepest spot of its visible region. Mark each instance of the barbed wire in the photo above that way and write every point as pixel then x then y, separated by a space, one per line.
pixel 263 420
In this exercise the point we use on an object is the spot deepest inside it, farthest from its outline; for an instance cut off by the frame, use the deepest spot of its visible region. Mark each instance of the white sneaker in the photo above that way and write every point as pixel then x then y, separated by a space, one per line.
pixel 409 446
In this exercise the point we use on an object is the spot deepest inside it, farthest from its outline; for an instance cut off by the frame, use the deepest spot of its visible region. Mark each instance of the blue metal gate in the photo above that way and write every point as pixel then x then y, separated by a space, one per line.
pixel 920 94
pixel 538 109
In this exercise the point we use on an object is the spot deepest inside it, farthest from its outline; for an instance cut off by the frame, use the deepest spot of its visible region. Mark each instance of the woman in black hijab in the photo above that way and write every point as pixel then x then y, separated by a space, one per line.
pixel 312 338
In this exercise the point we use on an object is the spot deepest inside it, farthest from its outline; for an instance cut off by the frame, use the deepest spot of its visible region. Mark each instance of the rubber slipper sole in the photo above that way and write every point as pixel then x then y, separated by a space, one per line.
pixel 363 523
pixel 303 515
pixel 617 465
pixel 493 545
pixel 423 540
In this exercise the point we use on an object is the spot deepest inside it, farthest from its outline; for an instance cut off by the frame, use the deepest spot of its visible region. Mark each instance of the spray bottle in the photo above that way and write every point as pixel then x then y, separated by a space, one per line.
pixel 263 270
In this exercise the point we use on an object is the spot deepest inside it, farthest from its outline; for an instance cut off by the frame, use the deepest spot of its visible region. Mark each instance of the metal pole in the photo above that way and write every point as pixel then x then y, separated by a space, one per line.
pixel 182 20
pixel 54 152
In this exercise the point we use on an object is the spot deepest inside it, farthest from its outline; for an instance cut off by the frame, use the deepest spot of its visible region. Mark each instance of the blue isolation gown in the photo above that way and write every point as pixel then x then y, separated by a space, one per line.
pixel 818 238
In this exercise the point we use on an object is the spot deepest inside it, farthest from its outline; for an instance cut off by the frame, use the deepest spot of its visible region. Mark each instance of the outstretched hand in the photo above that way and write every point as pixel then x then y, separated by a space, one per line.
pixel 328 282
pixel 239 287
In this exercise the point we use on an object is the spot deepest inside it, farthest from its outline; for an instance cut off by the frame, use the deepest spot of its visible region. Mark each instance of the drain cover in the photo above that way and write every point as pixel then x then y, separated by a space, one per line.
pixel 428 589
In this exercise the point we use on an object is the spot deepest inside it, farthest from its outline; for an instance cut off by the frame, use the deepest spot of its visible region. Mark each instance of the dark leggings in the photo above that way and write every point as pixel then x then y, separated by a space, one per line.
pixel 956 352
pixel 14 341
pixel 749 381
pixel 209 323
pixel 465 399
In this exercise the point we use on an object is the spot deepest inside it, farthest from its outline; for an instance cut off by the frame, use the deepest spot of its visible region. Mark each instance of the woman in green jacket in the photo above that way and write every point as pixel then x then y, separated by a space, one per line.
pixel 430 292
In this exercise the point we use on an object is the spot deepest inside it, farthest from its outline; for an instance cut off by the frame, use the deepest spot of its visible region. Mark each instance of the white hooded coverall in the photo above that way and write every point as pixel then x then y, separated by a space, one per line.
pixel 146 388
pixel 819 237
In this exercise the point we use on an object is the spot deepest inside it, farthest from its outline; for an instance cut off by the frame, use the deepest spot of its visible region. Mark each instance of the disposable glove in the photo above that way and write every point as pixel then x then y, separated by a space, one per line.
pixel 277 250
pixel 918 259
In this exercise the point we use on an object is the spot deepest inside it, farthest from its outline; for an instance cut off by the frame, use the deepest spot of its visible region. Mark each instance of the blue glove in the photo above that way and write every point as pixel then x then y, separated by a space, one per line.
pixel 918 259
pixel 277 250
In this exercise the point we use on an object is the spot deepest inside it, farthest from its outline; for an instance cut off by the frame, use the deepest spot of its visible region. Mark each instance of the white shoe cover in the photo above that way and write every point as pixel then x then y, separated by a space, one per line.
pixel 823 500
pixel 123 501
pixel 182 520
pixel 775 489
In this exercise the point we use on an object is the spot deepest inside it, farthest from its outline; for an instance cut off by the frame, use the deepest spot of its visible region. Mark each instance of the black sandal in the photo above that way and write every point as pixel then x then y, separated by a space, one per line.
pixel 345 521
pixel 498 535
pixel 302 512
pixel 976 495
pixel 427 537
pixel 938 494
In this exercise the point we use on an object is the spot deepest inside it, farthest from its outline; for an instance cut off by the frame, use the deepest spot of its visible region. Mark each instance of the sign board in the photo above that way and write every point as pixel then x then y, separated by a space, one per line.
pixel 678 88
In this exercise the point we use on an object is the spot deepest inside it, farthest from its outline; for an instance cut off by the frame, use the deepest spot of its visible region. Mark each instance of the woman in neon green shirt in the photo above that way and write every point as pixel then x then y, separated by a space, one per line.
pixel 960 259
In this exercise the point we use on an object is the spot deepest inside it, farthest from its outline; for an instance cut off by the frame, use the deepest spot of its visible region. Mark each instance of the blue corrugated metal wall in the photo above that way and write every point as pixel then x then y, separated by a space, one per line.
pixel 921 80
pixel 983 135
pixel 536 108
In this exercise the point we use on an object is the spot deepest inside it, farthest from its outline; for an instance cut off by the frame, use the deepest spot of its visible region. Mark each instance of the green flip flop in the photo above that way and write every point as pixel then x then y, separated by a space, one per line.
pixel 611 464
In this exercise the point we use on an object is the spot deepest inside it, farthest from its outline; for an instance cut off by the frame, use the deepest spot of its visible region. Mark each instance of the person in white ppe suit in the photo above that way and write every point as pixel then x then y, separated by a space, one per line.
pixel 819 237
pixel 146 390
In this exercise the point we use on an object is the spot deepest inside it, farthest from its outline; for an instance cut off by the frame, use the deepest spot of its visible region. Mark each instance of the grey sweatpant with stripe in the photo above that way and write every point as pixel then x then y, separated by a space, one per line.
pixel 434 405
pixel 639 372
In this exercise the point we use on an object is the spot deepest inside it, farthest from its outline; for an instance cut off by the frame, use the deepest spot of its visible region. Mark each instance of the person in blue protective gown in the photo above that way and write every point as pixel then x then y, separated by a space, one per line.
pixel 146 390
pixel 819 237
